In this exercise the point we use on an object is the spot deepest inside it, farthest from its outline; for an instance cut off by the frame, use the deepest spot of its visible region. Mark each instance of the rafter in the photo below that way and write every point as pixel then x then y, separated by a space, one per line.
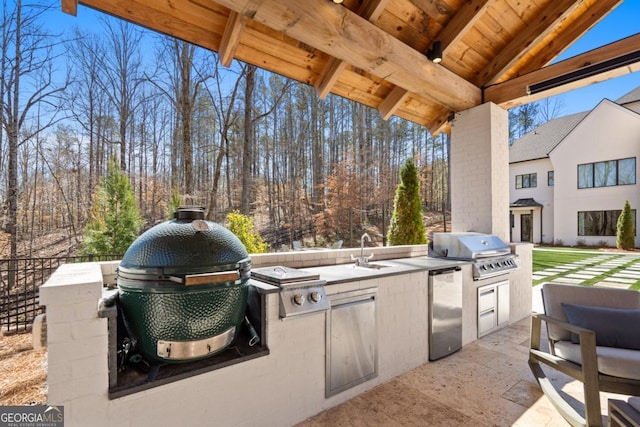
pixel 347 36
pixel 69 6
pixel 231 37
pixel 514 92
pixel 535 31
pixel 461 23
pixel 370 10
pixel 392 102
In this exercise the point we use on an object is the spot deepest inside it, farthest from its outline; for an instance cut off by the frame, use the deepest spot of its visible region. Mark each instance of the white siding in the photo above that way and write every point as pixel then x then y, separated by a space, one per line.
pixel 542 193
pixel 609 132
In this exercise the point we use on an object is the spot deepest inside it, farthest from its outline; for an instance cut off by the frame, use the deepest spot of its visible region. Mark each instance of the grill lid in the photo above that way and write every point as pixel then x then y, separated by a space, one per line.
pixel 468 246
pixel 187 245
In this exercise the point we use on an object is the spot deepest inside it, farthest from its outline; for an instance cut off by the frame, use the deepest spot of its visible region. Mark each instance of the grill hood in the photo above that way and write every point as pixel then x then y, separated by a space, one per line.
pixel 188 245
pixel 468 246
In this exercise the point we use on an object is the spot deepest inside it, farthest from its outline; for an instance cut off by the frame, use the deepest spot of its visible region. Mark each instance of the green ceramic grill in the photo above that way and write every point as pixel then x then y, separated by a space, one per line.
pixel 183 288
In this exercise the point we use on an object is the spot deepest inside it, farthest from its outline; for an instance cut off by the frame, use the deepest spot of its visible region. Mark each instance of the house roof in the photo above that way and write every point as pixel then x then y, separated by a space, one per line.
pixel 375 51
pixel 627 98
pixel 539 142
pixel 525 203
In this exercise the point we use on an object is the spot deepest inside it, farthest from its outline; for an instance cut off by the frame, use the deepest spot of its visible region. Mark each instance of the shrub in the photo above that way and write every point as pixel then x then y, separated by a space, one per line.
pixel 625 234
pixel 242 226
pixel 407 227
pixel 114 219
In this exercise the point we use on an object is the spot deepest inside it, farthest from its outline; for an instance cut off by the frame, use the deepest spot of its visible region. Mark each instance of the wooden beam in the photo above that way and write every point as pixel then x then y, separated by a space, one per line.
pixel 461 23
pixel 231 37
pixel 348 37
pixel 70 7
pixel 392 102
pixel 541 26
pixel 514 92
pixel 370 10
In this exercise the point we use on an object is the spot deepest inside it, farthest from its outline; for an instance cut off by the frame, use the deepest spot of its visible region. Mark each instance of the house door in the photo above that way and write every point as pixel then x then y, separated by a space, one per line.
pixel 526 226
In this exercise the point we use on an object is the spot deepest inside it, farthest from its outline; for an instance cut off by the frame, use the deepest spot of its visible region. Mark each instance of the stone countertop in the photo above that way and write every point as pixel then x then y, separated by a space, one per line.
pixel 344 273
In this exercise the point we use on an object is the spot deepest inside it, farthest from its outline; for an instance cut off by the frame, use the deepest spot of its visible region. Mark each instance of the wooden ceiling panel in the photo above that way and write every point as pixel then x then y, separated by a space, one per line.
pixel 486 42
pixel 413 27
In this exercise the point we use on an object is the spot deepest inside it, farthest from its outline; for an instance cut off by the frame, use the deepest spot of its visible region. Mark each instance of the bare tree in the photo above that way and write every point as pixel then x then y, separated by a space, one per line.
pixel 122 78
pixel 27 66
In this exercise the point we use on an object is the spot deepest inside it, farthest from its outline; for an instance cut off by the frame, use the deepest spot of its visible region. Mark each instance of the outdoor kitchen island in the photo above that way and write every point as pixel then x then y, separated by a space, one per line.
pixel 288 383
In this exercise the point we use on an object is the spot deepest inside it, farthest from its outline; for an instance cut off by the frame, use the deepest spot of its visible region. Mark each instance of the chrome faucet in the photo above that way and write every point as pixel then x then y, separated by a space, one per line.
pixel 363 259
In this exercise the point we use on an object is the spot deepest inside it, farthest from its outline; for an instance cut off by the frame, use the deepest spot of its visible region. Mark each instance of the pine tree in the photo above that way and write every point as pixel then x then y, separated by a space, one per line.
pixel 114 219
pixel 625 233
pixel 407 227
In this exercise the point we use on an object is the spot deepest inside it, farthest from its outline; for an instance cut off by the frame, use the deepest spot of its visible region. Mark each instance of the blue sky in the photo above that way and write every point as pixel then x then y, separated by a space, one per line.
pixel 622 22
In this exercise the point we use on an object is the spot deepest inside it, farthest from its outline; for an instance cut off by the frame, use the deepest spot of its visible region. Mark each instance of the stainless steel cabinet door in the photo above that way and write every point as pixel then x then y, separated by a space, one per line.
pixel 352 345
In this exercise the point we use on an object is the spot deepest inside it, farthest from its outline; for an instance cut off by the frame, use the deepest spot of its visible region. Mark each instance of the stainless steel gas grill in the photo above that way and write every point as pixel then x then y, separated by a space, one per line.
pixel 489 255
pixel 301 292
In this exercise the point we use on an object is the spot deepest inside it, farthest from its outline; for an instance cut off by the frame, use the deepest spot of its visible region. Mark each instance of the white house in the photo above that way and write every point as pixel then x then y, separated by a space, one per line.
pixel 570 177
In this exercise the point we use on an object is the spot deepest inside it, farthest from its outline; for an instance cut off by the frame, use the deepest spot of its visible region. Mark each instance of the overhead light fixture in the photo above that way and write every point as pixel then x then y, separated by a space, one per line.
pixel 435 53
pixel 337 1
pixel 584 72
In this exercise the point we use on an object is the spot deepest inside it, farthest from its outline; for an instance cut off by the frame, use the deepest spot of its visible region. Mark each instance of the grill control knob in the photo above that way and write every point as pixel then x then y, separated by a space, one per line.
pixel 315 297
pixel 298 299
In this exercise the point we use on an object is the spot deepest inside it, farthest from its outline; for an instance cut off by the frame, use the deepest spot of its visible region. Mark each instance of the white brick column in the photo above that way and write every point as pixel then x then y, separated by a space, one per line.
pixel 480 171
pixel 78 376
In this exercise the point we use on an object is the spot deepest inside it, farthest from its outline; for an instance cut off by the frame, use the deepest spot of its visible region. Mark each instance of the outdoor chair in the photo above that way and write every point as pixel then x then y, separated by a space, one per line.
pixel 594 337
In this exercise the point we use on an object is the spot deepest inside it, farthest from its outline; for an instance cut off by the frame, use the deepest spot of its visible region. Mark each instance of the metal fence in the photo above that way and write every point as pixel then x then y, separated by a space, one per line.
pixel 20 281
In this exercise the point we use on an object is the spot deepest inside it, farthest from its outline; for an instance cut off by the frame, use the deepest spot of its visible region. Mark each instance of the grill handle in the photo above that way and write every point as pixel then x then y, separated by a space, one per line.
pixel 206 278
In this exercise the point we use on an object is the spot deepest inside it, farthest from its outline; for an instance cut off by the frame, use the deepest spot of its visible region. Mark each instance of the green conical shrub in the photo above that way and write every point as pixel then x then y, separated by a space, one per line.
pixel 114 219
pixel 625 233
pixel 407 227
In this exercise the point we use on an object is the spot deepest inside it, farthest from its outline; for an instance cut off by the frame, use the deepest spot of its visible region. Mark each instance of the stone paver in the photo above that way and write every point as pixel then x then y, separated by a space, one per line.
pixel 568 280
pixel 619 280
pixel 580 276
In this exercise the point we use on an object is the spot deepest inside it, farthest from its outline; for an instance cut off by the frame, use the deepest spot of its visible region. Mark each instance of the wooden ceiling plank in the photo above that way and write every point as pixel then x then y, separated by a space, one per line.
pixel 543 24
pixel 557 42
pixel 70 7
pixel 346 36
pixel 461 23
pixel 231 37
pixel 392 102
pixel 514 92
pixel 435 9
pixel 370 10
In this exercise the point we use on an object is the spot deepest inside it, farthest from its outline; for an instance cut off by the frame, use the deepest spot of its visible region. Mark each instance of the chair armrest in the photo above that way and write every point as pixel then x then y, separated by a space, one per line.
pixel 587 343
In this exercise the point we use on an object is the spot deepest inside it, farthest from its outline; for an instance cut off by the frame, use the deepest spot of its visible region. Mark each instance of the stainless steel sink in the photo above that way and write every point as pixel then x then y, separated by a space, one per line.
pixel 370 265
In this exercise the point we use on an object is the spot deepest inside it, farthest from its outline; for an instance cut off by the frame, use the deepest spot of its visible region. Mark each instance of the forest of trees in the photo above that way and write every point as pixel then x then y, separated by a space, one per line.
pixel 179 123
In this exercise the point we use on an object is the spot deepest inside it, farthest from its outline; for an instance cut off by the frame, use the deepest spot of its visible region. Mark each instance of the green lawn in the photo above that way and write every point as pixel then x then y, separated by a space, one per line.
pixel 544 258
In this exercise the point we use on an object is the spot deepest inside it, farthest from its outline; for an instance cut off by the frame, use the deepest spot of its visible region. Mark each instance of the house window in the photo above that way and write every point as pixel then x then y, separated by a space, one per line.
pixel 601 223
pixel 528 180
pixel 607 174
pixel 550 178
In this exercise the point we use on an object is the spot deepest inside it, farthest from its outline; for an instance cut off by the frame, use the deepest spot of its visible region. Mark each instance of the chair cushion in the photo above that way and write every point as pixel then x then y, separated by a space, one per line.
pixel 614 327
pixel 554 294
pixel 617 362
